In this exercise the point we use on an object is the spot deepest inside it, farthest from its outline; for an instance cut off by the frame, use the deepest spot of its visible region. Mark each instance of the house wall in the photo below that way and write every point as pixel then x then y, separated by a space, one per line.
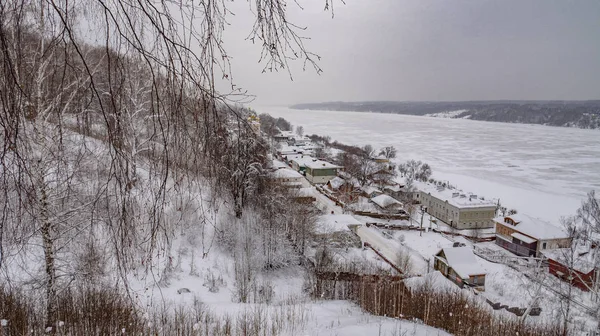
pixel 438 265
pixel 446 270
pixel 289 179
pixel 580 280
pixel 512 247
pixel 529 249
pixel 318 176
pixel 476 218
pixel 549 244
pixel 504 230
pixel 478 281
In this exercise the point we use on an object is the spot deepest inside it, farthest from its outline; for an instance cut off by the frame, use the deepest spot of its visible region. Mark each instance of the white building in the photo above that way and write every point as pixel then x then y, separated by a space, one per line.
pixel 456 208
pixel 286 176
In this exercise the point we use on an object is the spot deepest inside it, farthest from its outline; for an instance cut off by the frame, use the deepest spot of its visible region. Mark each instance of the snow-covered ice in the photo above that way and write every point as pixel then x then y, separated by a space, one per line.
pixel 543 171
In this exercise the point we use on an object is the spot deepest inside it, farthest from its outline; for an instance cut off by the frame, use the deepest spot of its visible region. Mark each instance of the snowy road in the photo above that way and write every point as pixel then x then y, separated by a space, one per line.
pixel 390 248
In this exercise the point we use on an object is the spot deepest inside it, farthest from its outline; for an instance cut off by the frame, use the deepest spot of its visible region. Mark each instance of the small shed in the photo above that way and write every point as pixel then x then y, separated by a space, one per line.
pixel 460 266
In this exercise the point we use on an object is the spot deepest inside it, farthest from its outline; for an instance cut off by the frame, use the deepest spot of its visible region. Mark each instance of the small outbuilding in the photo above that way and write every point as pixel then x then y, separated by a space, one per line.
pixel 460 266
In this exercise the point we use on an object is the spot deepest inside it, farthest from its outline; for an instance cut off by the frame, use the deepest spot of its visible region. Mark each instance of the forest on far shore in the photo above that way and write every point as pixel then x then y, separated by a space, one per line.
pixel 580 114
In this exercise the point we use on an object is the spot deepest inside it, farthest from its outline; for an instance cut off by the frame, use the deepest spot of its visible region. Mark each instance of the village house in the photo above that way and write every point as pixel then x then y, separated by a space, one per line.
pixel 347 190
pixel 383 175
pixel 455 208
pixel 298 140
pixel 320 172
pixel 527 236
pixel 276 164
pixel 460 266
pixel 575 265
pixel 283 136
pixel 388 204
pixel 394 190
pixel 286 152
pixel 298 162
pixel 286 176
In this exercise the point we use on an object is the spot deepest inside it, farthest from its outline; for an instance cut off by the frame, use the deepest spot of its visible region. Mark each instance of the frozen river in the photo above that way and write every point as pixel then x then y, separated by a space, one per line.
pixel 540 170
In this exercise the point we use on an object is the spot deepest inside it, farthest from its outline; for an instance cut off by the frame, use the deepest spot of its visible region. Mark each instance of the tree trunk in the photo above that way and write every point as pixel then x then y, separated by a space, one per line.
pixel 48 244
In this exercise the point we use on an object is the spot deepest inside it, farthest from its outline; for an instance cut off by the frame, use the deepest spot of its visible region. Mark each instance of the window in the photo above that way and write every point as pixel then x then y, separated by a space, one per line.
pixel 544 245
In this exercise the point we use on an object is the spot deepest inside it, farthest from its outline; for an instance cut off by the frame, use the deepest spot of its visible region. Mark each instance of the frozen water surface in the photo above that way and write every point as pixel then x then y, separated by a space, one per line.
pixel 540 170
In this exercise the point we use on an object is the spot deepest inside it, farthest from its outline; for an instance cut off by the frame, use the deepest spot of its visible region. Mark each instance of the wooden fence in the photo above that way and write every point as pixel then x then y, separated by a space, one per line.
pixel 456 312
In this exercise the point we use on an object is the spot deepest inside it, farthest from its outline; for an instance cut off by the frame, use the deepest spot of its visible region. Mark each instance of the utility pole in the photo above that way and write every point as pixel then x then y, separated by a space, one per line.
pixel 422 214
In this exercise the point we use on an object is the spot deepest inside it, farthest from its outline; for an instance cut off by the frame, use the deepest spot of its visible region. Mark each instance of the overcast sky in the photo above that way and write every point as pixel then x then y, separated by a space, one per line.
pixel 431 50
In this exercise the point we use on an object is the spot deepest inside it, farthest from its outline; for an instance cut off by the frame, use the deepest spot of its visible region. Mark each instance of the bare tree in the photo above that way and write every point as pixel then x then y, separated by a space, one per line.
pixel 146 92
pixel 589 214
pixel 415 170
pixel 389 152
pixel 300 131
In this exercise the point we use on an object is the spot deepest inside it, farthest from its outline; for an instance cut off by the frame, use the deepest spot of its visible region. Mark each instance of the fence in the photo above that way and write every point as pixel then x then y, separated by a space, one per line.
pixel 456 312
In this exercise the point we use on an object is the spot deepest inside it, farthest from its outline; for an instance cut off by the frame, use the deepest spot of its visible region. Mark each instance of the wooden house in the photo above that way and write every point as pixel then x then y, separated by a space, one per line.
pixel 576 266
pixel 460 266
pixel 347 190
pixel 527 236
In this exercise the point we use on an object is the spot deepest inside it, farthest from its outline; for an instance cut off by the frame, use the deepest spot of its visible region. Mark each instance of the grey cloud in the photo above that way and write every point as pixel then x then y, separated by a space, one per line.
pixel 432 50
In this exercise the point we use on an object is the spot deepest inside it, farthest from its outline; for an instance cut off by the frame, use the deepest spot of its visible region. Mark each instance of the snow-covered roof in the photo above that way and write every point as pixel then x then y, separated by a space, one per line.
pixel 454 197
pixel 370 189
pixel 435 281
pixel 319 164
pixel 334 223
pixel 533 227
pixel 523 238
pixel 336 182
pixel 291 151
pixel 584 258
pixel 306 192
pixel 394 188
pixel 301 160
pixel 286 174
pixel 463 262
pixel 385 201
pixel 278 164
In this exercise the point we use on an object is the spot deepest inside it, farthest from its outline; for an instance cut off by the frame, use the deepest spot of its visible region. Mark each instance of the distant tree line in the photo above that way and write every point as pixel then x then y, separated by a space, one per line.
pixel 581 114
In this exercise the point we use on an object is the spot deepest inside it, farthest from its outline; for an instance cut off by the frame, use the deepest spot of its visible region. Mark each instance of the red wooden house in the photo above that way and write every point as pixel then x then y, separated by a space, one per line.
pixel 576 266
